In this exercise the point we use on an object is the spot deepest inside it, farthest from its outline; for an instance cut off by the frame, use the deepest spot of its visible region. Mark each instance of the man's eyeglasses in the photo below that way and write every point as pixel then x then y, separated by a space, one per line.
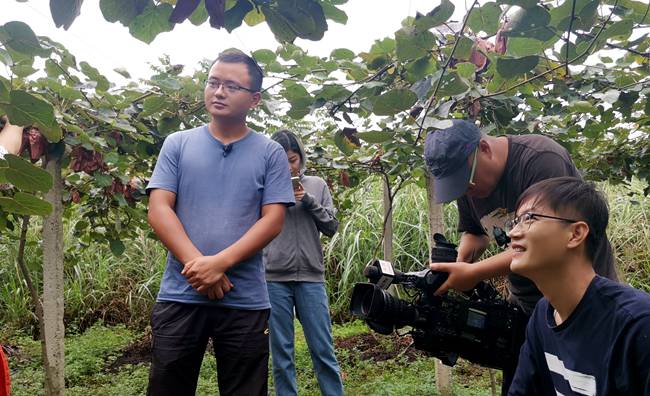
pixel 471 175
pixel 228 86
pixel 526 219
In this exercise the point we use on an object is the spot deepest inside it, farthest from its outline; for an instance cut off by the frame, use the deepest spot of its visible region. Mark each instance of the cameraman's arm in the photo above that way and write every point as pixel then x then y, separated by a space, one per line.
pixel 471 246
pixel 464 276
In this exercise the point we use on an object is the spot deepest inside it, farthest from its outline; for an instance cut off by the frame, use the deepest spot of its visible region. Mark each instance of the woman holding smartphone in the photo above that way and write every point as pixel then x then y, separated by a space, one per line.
pixel 296 281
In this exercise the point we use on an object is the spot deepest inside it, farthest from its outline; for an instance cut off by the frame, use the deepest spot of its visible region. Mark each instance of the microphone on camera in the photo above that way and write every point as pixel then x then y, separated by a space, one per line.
pixel 227 149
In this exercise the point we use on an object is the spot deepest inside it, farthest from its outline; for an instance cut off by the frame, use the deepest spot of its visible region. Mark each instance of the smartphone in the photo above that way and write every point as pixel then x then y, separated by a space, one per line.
pixel 296 182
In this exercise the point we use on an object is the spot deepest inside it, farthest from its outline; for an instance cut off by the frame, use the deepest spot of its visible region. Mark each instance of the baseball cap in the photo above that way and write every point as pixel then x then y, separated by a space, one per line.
pixel 445 153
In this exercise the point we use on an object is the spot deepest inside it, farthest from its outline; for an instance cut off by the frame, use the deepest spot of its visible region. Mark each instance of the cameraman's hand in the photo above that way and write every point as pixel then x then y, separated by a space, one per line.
pixel 462 276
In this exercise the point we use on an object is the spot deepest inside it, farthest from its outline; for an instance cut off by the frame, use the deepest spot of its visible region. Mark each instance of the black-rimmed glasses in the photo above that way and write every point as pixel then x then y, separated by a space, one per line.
pixel 526 219
pixel 229 86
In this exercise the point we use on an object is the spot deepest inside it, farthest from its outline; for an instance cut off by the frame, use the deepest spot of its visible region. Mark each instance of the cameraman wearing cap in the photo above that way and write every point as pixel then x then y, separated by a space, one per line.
pixel 486 175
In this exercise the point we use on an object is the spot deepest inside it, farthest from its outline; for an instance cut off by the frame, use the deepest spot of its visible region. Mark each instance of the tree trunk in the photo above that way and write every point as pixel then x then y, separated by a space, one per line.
pixel 52 329
pixel 388 230
pixel 436 224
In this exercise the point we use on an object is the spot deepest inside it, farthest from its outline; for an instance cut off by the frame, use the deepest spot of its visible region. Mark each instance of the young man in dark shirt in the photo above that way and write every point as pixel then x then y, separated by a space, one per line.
pixel 486 175
pixel 588 335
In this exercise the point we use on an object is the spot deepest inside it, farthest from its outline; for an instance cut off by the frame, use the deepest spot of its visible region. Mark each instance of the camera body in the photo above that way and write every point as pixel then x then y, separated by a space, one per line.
pixel 476 325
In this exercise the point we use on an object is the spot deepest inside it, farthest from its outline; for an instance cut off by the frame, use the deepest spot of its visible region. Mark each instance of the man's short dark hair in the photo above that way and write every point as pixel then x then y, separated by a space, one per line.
pixel 574 198
pixel 254 71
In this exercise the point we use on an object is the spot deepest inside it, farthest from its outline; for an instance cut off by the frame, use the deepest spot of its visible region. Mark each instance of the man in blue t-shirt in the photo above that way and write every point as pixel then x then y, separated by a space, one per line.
pixel 589 335
pixel 218 195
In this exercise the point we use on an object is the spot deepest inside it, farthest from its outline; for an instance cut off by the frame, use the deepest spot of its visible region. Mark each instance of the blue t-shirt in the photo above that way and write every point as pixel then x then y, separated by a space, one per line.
pixel 220 190
pixel 603 348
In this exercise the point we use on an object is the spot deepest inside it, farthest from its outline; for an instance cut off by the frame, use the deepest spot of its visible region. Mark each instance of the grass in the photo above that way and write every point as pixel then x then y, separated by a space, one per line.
pixel 89 355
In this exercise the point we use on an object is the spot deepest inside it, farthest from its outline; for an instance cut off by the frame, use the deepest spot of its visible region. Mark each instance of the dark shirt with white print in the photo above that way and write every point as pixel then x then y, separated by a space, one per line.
pixel 603 348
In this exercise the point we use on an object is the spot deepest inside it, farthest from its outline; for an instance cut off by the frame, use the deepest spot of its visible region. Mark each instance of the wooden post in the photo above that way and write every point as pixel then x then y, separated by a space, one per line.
pixel 436 224
pixel 53 283
pixel 388 230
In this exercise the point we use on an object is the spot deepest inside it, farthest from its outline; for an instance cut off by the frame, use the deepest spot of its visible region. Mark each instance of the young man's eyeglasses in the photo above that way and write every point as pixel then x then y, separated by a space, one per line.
pixel 526 219
pixel 228 86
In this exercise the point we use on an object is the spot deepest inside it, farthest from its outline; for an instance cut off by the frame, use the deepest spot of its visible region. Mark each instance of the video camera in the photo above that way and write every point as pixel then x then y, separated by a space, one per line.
pixel 477 325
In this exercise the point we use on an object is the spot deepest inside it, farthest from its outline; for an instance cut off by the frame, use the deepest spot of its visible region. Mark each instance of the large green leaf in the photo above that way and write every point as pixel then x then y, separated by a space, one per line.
pixel 306 18
pixel 64 12
pixel 4 91
pixel 123 11
pixel 435 17
pixel 18 36
pixel 485 18
pixel 94 75
pixel 464 48
pixel 530 22
pixel 585 14
pixel 335 14
pixel 522 46
pixel 638 10
pixel 234 16
pixel 511 67
pixel 25 204
pixel 26 176
pixel 152 105
pixel 152 21
pixel 200 15
pixel 394 101
pixel 27 109
pixel 520 3
pixel 344 142
pixel 375 136
pixel 452 84
pixel 278 25
pixel 411 43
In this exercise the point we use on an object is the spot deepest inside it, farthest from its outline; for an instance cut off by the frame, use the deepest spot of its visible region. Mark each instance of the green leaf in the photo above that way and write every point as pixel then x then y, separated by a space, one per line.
pixel 532 23
pixel 342 53
pixel 64 12
pixel 305 18
pixel 152 105
pixel 4 91
pixel 122 72
pixel 620 30
pixel 153 21
pixel 520 3
pixel 278 25
pixel 234 16
pixel 27 109
pixel 26 176
pixel 19 37
pixel 435 17
pixel 123 11
pixel 466 69
pixel 254 18
pixel 94 75
pixel 583 106
pixel 25 204
pixel 638 10
pixel 522 46
pixel 344 143
pixel 452 84
pixel 464 48
pixel 485 18
pixel 394 101
pixel 117 247
pixel 335 14
pixel 199 15
pixel 411 44
pixel 264 56
pixel 375 137
pixel 511 67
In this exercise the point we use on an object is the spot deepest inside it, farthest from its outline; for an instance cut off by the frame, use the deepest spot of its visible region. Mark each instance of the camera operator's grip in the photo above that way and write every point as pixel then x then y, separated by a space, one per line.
pixel 443 251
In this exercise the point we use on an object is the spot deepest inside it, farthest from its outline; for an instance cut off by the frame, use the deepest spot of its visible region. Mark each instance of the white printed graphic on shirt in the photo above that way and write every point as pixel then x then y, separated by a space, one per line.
pixel 583 384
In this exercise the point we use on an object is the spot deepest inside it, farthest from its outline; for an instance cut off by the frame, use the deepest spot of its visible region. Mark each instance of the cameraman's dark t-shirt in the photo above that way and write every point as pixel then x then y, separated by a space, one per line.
pixel 531 158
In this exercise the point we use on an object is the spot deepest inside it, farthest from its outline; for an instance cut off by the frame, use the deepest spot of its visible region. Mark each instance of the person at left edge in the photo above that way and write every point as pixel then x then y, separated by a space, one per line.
pixel 218 195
